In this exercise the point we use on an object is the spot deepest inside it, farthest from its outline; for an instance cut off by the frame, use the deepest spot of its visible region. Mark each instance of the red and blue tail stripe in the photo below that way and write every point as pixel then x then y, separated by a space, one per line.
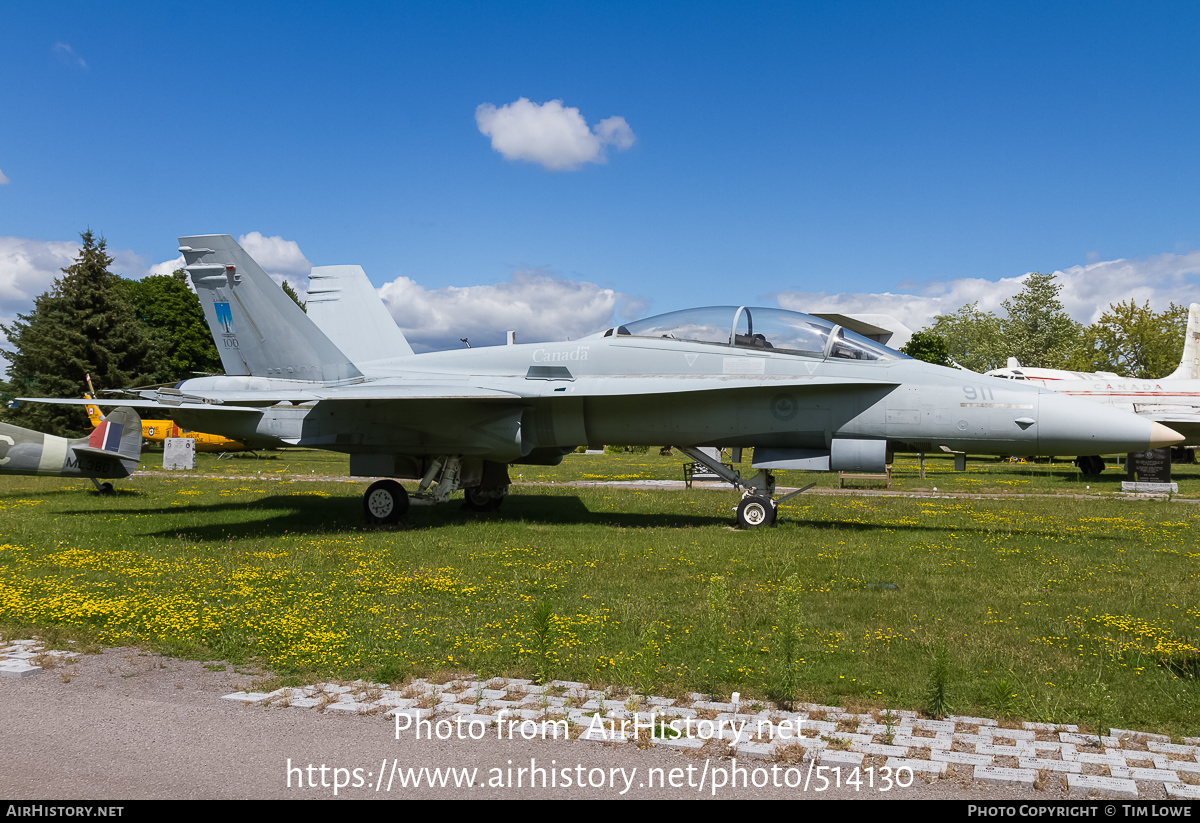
pixel 106 436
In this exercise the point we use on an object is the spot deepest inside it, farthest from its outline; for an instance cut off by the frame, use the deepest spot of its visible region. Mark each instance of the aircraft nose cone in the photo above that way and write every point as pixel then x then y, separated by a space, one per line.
pixel 1161 435
pixel 1069 425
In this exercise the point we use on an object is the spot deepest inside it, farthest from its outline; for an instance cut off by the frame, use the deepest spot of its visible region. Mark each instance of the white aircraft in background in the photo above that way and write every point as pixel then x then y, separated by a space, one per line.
pixel 1173 400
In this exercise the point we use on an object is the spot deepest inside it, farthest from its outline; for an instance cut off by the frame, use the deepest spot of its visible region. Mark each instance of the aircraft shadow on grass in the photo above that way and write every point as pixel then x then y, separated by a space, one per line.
pixel 292 515
pixel 286 514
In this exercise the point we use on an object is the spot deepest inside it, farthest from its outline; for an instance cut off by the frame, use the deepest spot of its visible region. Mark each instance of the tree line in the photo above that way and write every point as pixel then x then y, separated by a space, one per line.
pixel 1128 339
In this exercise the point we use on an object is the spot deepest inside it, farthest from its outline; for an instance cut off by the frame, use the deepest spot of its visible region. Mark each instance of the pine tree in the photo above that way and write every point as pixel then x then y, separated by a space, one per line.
pixel 290 292
pixel 83 325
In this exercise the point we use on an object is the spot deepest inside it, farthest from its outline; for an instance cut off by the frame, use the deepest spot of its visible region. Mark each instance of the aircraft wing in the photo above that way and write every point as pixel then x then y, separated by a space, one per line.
pixel 516 389
pixel 137 404
pixel 364 392
pixel 1183 419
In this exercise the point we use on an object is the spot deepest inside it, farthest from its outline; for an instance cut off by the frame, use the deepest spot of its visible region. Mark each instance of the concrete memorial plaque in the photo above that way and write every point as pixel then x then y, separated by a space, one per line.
pixel 179 453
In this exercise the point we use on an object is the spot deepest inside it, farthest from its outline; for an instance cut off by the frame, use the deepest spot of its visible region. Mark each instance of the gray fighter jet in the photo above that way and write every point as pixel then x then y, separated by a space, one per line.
pixel 804 393
pixel 112 450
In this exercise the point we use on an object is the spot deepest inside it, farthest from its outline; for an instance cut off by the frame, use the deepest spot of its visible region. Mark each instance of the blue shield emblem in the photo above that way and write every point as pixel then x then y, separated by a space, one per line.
pixel 224 317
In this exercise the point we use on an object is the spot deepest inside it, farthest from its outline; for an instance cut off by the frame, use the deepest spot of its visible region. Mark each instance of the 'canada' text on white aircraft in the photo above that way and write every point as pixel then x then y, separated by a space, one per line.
pixel 1173 400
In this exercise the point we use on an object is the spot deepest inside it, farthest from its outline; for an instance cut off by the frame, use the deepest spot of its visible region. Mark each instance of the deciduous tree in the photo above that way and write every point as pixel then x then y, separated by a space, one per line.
pixel 1038 331
pixel 173 318
pixel 927 346
pixel 1133 341
pixel 972 337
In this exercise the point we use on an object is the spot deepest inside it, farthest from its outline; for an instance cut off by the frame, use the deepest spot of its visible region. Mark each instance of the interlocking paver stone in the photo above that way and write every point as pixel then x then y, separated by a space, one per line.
pixel 1109 786
pixel 1172 748
pixel 1154 775
pixel 961 757
pixel 1037 763
pixel 17 668
pixel 999 774
pixel 927 766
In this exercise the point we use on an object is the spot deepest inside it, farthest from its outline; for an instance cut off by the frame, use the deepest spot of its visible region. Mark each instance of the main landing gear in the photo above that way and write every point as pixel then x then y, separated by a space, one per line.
pixel 758 506
pixel 1090 464
pixel 484 483
pixel 385 502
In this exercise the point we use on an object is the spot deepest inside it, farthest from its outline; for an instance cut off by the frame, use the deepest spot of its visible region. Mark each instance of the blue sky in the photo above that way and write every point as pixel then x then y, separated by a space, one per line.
pixel 899 157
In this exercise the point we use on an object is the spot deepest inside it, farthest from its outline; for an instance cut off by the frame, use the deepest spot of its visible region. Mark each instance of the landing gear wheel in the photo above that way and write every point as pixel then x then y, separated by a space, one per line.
pixel 755 511
pixel 477 499
pixel 103 488
pixel 1090 464
pixel 386 502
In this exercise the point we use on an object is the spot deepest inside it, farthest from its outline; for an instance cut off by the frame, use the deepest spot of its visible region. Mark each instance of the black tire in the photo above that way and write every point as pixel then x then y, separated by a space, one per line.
pixel 385 502
pixel 755 512
pixel 105 488
pixel 477 499
pixel 1091 464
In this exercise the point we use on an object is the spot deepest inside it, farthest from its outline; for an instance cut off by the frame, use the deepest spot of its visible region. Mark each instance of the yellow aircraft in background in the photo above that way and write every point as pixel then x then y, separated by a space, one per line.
pixel 156 431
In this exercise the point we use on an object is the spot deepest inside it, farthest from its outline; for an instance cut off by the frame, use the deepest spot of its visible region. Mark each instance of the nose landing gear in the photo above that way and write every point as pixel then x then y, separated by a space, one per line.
pixel 758 506
pixel 755 511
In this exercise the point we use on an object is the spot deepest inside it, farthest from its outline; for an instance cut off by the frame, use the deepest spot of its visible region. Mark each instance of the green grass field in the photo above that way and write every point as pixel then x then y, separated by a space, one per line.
pixel 1060 602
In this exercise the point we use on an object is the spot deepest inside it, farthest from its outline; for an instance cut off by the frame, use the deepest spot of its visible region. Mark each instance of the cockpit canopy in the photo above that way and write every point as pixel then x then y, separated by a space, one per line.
pixel 776 330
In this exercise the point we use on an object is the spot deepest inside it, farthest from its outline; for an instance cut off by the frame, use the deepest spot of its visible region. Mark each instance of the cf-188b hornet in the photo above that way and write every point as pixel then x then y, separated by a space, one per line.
pixel 802 392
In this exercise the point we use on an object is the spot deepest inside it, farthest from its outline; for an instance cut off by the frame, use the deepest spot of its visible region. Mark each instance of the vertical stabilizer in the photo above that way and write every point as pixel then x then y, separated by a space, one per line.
pixel 344 305
pixel 113 449
pixel 258 329
pixel 122 434
pixel 1189 364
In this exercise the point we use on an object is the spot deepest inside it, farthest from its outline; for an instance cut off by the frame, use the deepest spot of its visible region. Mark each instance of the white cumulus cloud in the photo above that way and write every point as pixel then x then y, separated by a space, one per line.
pixel 167 267
pixel 28 268
pixel 536 303
pixel 1087 291
pixel 554 135
pixel 282 259
pixel 3 179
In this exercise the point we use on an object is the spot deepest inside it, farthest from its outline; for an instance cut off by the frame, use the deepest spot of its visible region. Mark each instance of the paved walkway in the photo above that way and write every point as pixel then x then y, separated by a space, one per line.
pixel 818 743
